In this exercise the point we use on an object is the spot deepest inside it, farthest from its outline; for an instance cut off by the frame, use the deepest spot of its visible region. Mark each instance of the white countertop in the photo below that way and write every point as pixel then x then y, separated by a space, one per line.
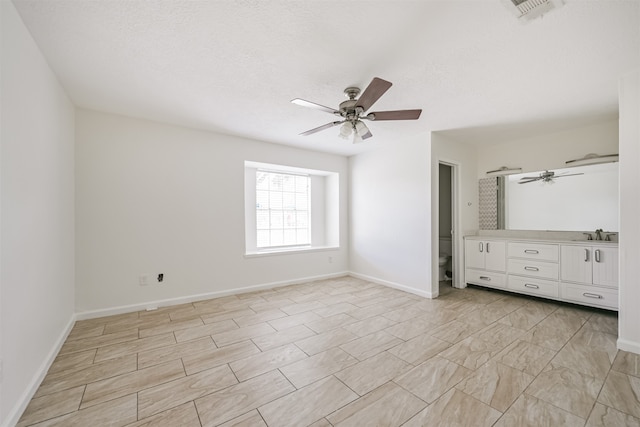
pixel 584 242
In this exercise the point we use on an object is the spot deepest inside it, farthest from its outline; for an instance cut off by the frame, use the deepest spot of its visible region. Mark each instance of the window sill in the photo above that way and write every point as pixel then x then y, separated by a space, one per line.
pixel 283 251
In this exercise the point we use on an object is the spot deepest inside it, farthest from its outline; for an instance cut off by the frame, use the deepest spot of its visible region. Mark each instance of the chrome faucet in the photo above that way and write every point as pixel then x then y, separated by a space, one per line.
pixel 589 236
pixel 599 234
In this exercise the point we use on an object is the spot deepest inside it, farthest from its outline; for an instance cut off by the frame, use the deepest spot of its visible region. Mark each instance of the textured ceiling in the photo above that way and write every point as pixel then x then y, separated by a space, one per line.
pixel 233 66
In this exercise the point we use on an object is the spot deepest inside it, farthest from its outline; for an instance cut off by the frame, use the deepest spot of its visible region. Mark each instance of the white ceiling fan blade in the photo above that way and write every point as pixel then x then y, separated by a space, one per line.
pixel 313 105
pixel 526 181
pixel 319 128
pixel 570 174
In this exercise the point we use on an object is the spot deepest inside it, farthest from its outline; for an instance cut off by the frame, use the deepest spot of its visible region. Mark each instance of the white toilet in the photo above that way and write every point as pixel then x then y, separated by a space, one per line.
pixel 444 257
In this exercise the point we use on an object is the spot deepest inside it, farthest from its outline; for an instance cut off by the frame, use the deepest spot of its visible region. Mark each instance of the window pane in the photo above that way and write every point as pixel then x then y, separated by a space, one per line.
pixel 262 200
pixel 289 200
pixel 276 238
pixel 276 220
pixel 289 183
pixel 275 200
pixel 302 236
pixel 302 219
pixel 263 238
pixel 275 182
pixel 290 220
pixel 302 201
pixel 302 184
pixel 262 180
pixel 262 219
pixel 290 237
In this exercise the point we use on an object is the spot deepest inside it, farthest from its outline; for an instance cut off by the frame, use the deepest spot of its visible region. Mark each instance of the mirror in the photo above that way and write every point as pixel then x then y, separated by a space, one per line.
pixel 582 198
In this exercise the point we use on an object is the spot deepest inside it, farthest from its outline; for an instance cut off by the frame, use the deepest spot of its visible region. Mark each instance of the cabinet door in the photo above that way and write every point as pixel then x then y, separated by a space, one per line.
pixel 575 263
pixel 474 254
pixel 495 255
pixel 605 267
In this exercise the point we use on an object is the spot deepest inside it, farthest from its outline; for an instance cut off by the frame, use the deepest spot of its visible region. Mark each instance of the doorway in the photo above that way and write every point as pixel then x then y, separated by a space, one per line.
pixel 446 221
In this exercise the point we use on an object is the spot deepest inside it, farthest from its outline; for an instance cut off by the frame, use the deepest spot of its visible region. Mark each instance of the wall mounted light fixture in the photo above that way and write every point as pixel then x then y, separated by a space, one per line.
pixel 502 171
pixel 593 159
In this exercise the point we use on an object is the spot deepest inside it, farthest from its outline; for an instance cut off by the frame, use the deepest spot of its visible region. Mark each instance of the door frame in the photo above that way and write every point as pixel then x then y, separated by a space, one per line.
pixel 456 225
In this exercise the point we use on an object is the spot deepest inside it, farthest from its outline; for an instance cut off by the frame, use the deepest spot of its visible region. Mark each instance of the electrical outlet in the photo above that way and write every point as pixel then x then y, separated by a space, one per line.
pixel 143 279
pixel 330 260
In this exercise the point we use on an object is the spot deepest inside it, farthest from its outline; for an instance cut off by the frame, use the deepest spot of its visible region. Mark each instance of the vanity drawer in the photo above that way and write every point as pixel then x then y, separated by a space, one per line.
pixel 531 286
pixel 484 278
pixel 589 295
pixel 545 270
pixel 539 251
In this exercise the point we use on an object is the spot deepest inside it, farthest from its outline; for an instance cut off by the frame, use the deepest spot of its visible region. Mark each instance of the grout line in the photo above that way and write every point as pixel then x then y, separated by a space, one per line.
pixel 197 413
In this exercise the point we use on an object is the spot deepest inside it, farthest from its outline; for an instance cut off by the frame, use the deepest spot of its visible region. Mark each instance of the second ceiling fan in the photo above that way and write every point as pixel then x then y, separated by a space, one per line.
pixel 352 111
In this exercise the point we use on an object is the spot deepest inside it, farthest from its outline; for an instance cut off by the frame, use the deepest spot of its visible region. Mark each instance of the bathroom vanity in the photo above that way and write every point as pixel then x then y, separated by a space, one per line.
pixel 580 272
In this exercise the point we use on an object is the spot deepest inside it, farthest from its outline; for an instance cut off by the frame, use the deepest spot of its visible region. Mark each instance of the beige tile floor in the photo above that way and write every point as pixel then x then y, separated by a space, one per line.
pixel 344 352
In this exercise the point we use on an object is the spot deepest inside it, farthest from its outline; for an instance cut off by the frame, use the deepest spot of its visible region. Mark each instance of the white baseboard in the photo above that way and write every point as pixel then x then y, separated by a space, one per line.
pixel 199 297
pixel 394 285
pixel 16 412
pixel 629 346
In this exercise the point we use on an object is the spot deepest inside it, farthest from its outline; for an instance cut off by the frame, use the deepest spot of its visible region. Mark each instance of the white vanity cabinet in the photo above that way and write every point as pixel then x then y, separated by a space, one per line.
pixel 485 262
pixel 589 274
pixel 485 254
pixel 568 271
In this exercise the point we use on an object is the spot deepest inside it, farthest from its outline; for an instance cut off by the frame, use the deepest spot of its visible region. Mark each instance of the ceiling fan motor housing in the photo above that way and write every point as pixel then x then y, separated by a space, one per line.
pixel 349 109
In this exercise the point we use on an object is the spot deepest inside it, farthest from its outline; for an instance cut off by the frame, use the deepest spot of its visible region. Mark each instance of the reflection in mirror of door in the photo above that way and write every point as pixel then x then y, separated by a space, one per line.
pixel 583 198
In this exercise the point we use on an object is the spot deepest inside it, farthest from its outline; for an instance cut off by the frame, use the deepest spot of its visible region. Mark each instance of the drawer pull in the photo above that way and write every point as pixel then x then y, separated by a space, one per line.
pixel 589 295
pixel 487 278
pixel 531 251
pixel 531 268
pixel 531 285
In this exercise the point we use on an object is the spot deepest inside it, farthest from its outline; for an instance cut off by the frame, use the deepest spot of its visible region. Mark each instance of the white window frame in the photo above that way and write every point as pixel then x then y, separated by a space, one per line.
pixel 325 209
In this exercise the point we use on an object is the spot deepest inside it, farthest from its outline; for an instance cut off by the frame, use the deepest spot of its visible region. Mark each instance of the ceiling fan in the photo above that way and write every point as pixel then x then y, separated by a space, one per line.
pixel 353 111
pixel 546 176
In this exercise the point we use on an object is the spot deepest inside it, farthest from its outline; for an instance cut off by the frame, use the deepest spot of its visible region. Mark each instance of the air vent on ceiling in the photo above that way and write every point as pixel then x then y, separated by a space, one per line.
pixel 527 10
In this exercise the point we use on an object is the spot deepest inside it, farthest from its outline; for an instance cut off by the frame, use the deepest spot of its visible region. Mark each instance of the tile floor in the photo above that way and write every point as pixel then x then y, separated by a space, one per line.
pixel 344 352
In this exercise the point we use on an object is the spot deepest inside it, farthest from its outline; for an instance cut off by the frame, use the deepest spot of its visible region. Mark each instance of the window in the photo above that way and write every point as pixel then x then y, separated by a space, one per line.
pixel 282 209
pixel 290 209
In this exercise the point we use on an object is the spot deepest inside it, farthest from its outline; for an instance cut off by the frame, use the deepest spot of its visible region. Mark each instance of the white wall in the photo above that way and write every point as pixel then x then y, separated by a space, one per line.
pixel 390 208
pixel 463 157
pixel 629 315
pixel 550 151
pixel 37 220
pixel 153 198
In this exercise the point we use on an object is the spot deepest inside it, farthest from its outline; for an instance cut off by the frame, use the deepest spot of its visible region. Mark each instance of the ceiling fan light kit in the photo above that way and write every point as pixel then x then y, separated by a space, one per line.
pixel 352 111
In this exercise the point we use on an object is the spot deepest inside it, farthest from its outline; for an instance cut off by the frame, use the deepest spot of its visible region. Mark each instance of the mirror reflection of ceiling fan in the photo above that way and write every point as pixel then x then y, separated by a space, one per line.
pixel 353 111
pixel 546 176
